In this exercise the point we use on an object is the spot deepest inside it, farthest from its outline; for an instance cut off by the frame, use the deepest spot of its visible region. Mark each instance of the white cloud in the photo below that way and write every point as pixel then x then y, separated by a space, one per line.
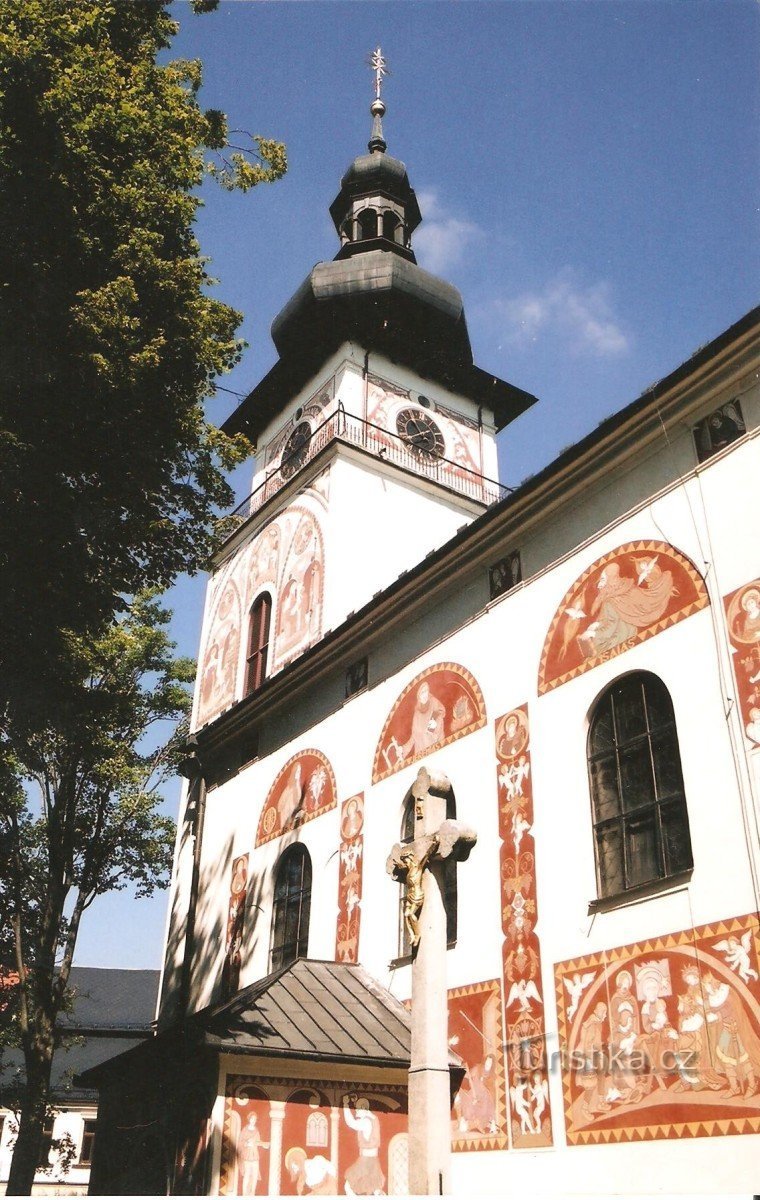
pixel 582 315
pixel 441 240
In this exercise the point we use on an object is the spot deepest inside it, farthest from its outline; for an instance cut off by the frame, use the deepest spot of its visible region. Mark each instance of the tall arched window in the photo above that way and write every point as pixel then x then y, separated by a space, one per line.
pixel 258 643
pixel 450 898
pixel 641 824
pixel 292 906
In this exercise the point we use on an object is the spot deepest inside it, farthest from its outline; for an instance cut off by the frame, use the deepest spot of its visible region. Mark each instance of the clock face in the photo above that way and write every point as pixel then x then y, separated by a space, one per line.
pixel 296 449
pixel 421 434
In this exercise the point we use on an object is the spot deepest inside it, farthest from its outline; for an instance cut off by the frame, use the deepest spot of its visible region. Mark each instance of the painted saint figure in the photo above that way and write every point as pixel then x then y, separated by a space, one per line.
pixel 365 1176
pixel 249 1146
pixel 736 1046
pixel 427 723
pixel 623 606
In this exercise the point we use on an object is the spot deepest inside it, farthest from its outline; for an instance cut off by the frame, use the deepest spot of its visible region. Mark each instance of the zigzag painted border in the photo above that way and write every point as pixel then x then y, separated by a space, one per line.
pixel 701 601
pixel 607 959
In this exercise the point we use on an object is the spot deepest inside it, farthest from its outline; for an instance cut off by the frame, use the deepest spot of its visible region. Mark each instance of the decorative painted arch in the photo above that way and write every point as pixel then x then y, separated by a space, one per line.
pixel 303 789
pixel 440 705
pixel 625 597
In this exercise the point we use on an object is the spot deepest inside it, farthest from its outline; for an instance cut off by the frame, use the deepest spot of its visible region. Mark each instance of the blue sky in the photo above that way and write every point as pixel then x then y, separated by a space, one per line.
pixel 588 174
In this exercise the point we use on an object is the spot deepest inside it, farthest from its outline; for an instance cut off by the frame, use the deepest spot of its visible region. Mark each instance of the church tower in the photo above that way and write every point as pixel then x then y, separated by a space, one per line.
pixel 374 435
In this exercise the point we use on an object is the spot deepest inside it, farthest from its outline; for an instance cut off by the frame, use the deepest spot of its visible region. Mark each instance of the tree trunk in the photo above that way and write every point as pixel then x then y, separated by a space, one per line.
pixel 38 1058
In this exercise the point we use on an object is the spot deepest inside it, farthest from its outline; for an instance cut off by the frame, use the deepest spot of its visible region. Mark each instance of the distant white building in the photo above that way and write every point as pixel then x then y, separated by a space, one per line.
pixel 112 1010
pixel 579 656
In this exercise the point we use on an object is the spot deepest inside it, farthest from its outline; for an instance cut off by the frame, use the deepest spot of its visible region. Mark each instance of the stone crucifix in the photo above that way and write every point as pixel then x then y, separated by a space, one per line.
pixel 420 865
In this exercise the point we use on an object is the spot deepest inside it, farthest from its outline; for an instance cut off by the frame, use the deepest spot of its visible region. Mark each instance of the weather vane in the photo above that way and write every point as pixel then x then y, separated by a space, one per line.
pixel 379 66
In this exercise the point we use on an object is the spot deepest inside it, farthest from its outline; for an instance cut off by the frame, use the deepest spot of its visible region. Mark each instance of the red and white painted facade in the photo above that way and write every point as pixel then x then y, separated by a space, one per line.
pixel 634 558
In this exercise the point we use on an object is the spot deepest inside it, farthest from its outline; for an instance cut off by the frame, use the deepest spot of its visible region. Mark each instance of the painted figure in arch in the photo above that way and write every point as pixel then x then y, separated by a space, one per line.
pixel 475 1102
pixel 653 982
pixel 748 625
pixel 622 605
pixel 592 1076
pixel 735 1044
pixel 291 797
pixel 249 1146
pixel 427 723
pixel 691 1052
pixel 365 1175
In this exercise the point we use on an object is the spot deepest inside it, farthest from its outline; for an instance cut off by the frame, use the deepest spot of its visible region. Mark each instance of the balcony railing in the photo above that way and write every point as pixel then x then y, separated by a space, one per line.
pixel 390 447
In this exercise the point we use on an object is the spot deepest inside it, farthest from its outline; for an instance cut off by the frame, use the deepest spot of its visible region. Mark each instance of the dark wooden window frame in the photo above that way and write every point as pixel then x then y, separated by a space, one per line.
pixel 88 1139
pixel 636 783
pixel 291 910
pixel 259 631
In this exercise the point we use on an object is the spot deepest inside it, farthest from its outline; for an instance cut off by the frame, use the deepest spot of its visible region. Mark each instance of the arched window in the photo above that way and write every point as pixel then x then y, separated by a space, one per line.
pixel 316 1130
pixel 641 825
pixel 449 880
pixel 367 223
pixel 292 905
pixel 390 225
pixel 258 643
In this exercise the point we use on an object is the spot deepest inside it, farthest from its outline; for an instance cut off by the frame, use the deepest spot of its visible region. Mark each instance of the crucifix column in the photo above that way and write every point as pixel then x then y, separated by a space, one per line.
pixel 420 865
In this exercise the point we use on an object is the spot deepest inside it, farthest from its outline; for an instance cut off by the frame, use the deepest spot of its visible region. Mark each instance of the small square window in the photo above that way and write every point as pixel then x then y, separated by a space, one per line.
pixel 356 677
pixel 505 574
pixel 718 430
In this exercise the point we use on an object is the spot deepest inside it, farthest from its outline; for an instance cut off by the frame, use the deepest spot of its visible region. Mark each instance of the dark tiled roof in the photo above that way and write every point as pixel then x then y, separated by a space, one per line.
pixel 112 1011
pixel 110 998
pixel 311 1009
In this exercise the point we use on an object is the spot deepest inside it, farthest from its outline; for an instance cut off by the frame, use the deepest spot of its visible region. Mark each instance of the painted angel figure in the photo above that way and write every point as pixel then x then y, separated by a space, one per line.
pixel 736 952
pixel 520 1105
pixel 539 1091
pixel 576 987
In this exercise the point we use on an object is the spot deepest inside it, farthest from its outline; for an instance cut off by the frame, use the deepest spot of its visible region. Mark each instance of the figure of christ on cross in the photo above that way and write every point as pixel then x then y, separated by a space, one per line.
pixel 419 864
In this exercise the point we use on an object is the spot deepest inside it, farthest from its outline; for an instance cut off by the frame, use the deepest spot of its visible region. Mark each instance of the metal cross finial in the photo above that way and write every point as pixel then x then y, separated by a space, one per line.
pixel 380 67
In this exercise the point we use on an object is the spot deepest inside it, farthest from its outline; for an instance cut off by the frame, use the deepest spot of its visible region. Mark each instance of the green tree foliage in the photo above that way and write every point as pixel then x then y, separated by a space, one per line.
pixel 110 476
pixel 85 822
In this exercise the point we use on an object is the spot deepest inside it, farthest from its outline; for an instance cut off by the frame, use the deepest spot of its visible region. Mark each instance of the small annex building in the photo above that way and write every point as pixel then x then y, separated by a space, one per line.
pixel 112 1010
pixel 579 656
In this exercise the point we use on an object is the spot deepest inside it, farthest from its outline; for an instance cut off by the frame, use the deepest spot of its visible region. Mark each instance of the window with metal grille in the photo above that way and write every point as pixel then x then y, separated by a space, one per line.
pixel 88 1138
pixel 450 898
pixel 641 824
pixel 292 907
pixel 258 643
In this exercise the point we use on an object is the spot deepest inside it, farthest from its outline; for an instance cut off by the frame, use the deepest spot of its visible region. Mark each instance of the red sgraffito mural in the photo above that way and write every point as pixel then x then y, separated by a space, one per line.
pixel 661 1039
pixel 264 567
pixel 235 927
pixel 439 706
pixel 299 601
pixel 285 559
pixel 304 789
pixel 218 676
pixel 743 620
pixel 479 1115
pixel 629 595
pixel 350 880
pixel 313 1138
pixel 531 1123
